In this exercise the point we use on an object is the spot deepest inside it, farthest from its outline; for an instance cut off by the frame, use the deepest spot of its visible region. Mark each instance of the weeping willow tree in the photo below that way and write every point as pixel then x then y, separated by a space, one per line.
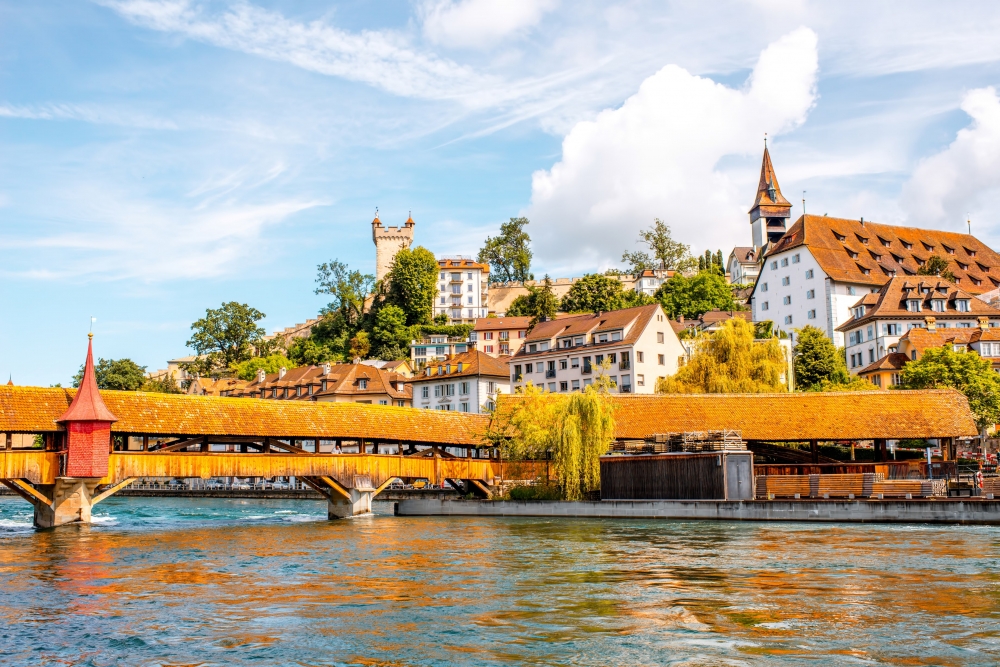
pixel 730 361
pixel 576 429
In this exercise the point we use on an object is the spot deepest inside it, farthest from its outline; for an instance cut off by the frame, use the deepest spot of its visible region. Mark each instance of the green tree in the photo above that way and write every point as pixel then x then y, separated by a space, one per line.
pixel 719 262
pixel 936 266
pixel 390 335
pixel 116 374
pixel 359 345
pixel 538 303
pixel 161 385
pixel 225 337
pixel 574 429
pixel 638 261
pixel 247 370
pixel 670 254
pixel 597 292
pixel 730 362
pixel 695 296
pixel 817 360
pixel 441 319
pixel 967 372
pixel 348 289
pixel 509 253
pixel 412 284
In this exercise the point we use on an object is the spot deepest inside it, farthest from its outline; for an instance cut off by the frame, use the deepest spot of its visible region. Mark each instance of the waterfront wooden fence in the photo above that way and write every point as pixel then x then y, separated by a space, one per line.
pixel 858 485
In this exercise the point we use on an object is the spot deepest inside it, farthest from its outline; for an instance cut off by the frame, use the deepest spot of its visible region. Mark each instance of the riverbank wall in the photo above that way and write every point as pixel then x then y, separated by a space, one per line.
pixel 954 511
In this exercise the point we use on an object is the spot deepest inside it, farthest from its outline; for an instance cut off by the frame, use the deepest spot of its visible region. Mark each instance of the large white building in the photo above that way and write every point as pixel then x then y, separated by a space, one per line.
pixel 566 354
pixel 463 289
pixel 817 271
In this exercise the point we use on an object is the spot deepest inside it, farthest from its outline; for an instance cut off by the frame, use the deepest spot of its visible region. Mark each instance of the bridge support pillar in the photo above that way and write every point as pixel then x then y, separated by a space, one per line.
pixel 342 508
pixel 71 502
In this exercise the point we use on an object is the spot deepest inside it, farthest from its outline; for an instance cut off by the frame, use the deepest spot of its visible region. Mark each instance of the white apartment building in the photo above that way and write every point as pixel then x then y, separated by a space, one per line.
pixel 742 266
pixel 566 354
pixel 466 382
pixel 435 348
pixel 879 320
pixel 650 280
pixel 463 289
pixel 817 271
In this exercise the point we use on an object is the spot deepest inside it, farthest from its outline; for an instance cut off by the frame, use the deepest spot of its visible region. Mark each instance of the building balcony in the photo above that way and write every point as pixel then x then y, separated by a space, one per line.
pixel 624 365
pixel 550 374
pixel 587 369
pixel 625 389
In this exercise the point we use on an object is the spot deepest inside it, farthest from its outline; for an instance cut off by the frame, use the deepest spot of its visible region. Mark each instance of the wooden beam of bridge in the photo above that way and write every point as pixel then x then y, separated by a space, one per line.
pixel 41 467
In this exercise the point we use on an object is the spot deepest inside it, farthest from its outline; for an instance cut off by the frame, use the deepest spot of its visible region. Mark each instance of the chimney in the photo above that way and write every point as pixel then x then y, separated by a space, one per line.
pixel 930 321
pixel 281 372
pixel 326 369
pixel 984 323
pixel 261 375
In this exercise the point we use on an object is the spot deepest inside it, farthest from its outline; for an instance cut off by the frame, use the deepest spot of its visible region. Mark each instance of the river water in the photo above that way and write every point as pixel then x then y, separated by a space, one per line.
pixel 270 582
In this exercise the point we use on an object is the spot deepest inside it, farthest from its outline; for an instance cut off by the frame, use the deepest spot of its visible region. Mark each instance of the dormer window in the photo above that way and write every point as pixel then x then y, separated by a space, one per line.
pixel 913 305
pixel 567 342
pixel 964 267
pixel 853 254
pixel 863 239
pixel 970 252
pixel 532 348
pixel 976 281
pixel 962 305
pixel 877 257
pixel 886 243
pixel 950 251
pixel 937 305
pixel 927 246
pixel 859 312
pixel 840 237
pixel 578 341
pixel 460 364
pixel 906 244
pixel 324 385
pixel 362 383
pixel 616 335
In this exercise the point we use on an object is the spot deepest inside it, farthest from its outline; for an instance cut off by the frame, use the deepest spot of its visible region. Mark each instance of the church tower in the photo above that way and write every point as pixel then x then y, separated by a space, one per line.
pixel 770 209
pixel 389 241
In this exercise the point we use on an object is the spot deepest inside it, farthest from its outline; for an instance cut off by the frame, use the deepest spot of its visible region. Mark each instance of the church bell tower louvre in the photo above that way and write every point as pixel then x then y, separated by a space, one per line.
pixel 770 209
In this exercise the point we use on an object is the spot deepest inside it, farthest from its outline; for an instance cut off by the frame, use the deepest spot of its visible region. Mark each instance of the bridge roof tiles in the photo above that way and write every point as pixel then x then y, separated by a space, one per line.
pixel 794 417
pixel 801 416
pixel 36 409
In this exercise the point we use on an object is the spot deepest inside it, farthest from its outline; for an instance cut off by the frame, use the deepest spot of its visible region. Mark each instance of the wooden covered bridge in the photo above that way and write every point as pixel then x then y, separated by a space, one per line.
pixel 97 442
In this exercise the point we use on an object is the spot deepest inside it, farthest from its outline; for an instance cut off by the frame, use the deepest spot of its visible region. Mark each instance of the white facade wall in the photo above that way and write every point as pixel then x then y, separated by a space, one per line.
pixel 817 300
pixel 464 300
pixel 875 338
pixel 481 394
pixel 658 359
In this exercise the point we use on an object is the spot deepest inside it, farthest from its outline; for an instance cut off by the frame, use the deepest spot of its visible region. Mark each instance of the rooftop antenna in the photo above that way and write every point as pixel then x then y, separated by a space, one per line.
pixel 90 334
pixel 968 220
pixel 803 202
pixel 765 141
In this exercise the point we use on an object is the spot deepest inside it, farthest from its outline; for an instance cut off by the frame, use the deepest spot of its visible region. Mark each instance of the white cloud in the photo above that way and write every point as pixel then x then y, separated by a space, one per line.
pixel 948 185
pixel 377 58
pixel 480 23
pixel 657 156
pixel 87 113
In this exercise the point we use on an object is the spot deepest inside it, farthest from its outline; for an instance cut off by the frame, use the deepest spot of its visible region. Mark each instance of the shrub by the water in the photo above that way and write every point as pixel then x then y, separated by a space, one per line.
pixel 537 492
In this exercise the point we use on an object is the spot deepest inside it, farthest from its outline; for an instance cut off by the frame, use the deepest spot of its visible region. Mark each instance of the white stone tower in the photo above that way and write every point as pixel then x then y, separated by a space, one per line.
pixel 389 241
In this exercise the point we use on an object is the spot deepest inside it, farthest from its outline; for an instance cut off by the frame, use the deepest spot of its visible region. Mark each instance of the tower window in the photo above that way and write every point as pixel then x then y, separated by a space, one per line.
pixel 809 273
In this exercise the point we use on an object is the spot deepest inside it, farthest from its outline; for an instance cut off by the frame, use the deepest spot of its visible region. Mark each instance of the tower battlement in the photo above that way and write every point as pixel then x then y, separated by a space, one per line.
pixel 388 241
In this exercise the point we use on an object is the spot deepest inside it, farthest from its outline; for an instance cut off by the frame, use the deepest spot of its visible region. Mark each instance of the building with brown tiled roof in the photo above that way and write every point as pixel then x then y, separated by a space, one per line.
pixel 817 271
pixel 468 382
pixel 879 320
pixel 500 336
pixel 200 386
pixel 770 208
pixel 463 289
pixel 567 353
pixel 354 383
pixel 742 266
pixel 982 340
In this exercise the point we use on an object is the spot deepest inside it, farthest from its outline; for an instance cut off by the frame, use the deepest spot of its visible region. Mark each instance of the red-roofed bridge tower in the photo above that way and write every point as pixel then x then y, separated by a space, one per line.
pixel 88 445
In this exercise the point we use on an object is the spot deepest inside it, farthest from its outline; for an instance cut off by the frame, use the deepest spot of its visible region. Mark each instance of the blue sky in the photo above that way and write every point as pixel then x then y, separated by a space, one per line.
pixel 159 157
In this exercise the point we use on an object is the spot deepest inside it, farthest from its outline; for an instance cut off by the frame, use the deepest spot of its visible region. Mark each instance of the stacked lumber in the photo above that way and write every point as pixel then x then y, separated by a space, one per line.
pixel 991 485
pixel 900 488
pixel 858 485
pixel 726 440
pixel 782 486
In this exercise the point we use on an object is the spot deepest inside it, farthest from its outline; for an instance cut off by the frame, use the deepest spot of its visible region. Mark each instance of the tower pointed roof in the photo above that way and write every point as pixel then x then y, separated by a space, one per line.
pixel 768 190
pixel 87 405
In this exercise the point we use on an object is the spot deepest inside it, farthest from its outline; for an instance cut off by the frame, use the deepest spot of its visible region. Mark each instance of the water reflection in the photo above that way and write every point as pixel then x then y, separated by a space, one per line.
pixel 212 582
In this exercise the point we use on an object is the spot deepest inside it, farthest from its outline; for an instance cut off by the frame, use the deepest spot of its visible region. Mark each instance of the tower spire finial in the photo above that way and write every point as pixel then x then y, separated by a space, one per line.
pixel 765 141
